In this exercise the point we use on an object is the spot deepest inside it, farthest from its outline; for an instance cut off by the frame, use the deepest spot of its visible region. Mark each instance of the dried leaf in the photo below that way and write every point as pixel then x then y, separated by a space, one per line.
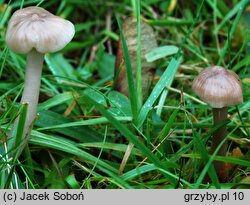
pixel 148 42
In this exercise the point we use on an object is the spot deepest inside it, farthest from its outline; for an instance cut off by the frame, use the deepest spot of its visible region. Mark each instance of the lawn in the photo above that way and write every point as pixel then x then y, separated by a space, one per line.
pixel 110 118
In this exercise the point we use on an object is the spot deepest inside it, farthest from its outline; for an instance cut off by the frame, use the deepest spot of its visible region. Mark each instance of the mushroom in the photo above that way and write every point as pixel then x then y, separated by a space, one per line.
pixel 220 88
pixel 35 31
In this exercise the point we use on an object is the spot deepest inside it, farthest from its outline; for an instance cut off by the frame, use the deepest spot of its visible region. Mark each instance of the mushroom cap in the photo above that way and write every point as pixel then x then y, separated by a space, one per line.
pixel 218 86
pixel 35 28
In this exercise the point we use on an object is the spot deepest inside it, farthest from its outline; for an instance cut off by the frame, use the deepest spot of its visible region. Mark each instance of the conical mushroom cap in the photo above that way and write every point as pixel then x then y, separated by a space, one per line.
pixel 219 87
pixel 35 28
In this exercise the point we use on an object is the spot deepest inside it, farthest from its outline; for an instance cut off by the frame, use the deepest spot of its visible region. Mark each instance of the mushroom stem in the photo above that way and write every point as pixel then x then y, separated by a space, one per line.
pixel 30 95
pixel 32 86
pixel 220 114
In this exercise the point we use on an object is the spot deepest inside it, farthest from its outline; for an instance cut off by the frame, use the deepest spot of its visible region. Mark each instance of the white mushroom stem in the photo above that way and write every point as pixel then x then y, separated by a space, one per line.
pixel 32 86
pixel 30 94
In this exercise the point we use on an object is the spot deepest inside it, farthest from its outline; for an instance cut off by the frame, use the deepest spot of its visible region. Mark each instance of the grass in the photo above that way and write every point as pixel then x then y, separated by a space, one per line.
pixel 86 130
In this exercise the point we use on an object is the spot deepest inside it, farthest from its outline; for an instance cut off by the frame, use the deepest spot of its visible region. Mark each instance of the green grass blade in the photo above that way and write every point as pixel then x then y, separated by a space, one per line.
pixel 49 120
pixel 111 146
pixel 19 131
pixel 138 83
pixel 207 167
pixel 204 156
pixel 228 159
pixel 56 100
pixel 229 16
pixel 100 120
pixel 59 66
pixel 169 124
pixel 147 168
pixel 131 85
pixel 132 138
pixel 68 147
pixel 244 62
pixel 161 52
pixel 214 7
pixel 165 80
pixel 232 30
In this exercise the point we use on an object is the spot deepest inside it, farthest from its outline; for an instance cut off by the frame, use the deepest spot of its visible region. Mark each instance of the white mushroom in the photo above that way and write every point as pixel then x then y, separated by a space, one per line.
pixel 35 31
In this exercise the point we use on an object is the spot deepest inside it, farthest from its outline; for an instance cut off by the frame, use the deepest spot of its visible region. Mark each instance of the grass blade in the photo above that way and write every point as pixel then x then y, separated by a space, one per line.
pixel 227 18
pixel 232 30
pixel 165 80
pixel 138 83
pixel 133 138
pixel 204 155
pixel 131 85
pixel 68 147
pixel 161 52
pixel 169 124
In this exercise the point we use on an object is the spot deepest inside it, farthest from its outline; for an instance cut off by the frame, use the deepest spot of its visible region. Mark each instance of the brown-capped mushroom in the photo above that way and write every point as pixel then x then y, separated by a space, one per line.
pixel 35 31
pixel 220 88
